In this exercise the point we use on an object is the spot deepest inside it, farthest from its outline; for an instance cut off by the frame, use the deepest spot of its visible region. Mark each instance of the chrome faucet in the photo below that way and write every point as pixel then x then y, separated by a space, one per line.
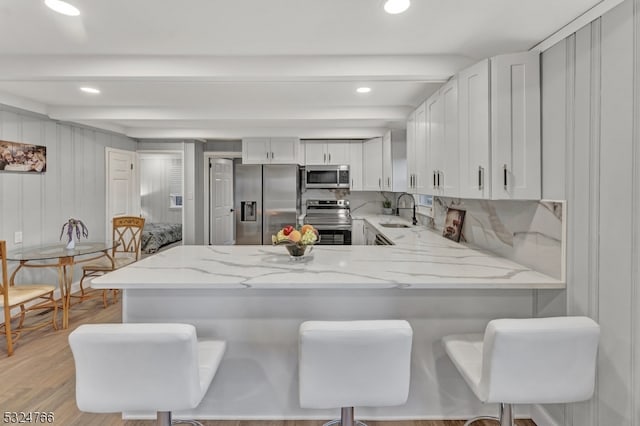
pixel 413 200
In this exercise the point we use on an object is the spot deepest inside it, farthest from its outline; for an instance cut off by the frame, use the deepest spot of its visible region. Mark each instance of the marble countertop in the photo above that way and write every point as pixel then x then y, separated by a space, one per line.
pixel 420 259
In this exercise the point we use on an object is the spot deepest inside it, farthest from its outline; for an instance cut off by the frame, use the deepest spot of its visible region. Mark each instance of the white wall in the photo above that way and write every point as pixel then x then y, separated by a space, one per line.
pixel 72 186
pixel 591 157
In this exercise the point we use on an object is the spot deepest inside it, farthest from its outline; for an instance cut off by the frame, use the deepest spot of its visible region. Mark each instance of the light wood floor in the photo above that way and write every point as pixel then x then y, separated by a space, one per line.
pixel 40 377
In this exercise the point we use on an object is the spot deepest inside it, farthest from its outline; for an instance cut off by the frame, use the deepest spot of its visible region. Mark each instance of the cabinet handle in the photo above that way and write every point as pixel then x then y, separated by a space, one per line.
pixel 352 182
pixel 272 155
pixel 379 182
pixel 415 181
pixel 324 158
pixel 389 182
pixel 480 173
pixel 329 157
pixel 411 184
pixel 438 174
pixel 434 179
pixel 504 174
pixel 267 155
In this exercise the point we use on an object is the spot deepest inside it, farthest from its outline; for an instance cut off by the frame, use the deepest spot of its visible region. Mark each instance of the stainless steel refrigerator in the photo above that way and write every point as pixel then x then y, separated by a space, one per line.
pixel 266 198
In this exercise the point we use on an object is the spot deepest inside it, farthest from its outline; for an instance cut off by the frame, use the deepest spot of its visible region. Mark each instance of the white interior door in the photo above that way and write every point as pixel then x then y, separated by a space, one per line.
pixel 123 197
pixel 221 202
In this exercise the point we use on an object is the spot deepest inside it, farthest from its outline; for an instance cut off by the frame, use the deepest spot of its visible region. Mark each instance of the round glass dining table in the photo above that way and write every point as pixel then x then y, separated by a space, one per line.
pixel 63 259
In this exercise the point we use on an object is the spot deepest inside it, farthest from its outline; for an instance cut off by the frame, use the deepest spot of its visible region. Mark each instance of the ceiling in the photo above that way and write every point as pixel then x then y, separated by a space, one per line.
pixel 225 69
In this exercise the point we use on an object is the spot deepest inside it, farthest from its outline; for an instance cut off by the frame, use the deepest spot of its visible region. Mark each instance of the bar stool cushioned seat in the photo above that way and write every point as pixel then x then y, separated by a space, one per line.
pixel 142 367
pixel 354 363
pixel 528 361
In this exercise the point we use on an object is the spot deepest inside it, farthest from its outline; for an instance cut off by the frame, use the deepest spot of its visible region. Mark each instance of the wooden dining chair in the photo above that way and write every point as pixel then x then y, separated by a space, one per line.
pixel 24 297
pixel 127 233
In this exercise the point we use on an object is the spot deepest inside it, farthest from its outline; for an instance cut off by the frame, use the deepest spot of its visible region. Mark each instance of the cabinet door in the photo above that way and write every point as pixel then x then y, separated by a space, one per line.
pixel 355 165
pixel 515 126
pixel 387 163
pixel 337 153
pixel 435 141
pixel 256 151
pixel 449 161
pixel 357 232
pixel 411 153
pixel 474 137
pixel 421 178
pixel 315 153
pixel 372 164
pixel 284 150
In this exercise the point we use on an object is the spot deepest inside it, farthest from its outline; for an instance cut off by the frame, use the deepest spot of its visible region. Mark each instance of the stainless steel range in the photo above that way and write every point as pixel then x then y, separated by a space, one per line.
pixel 332 219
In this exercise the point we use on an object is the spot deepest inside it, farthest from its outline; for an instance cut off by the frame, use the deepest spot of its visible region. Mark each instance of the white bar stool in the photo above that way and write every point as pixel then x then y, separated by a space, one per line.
pixel 343 364
pixel 528 361
pixel 142 367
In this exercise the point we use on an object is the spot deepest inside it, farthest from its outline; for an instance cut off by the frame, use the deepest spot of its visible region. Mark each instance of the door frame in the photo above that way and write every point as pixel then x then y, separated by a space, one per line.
pixel 207 155
pixel 135 183
pixel 180 153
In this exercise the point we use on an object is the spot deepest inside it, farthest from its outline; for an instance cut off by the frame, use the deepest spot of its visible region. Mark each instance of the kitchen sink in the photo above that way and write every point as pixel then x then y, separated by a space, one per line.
pixel 394 225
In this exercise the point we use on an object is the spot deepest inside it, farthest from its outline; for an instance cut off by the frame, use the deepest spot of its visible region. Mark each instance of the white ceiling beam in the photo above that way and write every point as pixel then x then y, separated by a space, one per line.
pixel 237 133
pixel 22 103
pixel 249 113
pixel 428 68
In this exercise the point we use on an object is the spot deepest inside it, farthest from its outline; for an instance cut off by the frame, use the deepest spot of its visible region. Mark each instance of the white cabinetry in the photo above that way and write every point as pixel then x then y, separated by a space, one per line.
pixel 394 161
pixel 515 126
pixel 474 131
pixel 372 165
pixel 326 152
pixel 357 232
pixel 355 165
pixel 442 140
pixel 417 175
pixel 369 234
pixel 270 150
pixel 499 106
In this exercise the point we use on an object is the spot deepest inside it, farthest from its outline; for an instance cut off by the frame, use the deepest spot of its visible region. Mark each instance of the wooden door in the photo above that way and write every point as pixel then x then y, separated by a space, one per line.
pixel 123 197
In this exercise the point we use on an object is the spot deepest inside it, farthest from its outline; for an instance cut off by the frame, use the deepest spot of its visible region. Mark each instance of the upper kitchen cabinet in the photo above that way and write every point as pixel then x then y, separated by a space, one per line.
pixel 499 107
pixel 442 140
pixel 326 152
pixel 270 150
pixel 474 131
pixel 515 126
pixel 394 161
pixel 372 165
pixel 355 165
pixel 417 181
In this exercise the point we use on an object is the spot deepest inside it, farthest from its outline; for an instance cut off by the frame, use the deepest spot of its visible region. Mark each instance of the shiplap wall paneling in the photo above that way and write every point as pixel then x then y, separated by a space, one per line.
pixel 11 182
pixel 553 63
pixel 72 186
pixel 615 368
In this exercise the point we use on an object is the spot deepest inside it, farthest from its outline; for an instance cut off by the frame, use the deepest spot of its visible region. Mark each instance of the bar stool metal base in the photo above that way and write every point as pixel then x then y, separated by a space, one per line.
pixel 163 418
pixel 505 418
pixel 346 419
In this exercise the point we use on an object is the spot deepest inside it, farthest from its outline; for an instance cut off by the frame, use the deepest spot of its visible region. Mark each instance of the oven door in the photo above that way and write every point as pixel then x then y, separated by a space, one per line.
pixel 339 237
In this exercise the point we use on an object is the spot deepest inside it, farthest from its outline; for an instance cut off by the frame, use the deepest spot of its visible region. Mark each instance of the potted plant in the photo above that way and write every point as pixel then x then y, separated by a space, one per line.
pixel 74 225
pixel 386 205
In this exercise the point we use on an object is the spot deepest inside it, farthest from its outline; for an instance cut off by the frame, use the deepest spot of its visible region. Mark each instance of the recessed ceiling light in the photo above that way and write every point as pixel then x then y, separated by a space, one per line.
pixel 91 90
pixel 62 7
pixel 363 89
pixel 396 6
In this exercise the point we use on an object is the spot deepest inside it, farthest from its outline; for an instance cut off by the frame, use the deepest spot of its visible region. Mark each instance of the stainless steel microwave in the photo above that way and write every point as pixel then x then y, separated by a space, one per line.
pixel 327 177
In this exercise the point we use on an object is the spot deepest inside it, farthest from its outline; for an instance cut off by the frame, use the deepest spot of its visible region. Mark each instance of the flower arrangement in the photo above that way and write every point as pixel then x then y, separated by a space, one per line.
pixel 296 240
pixel 74 225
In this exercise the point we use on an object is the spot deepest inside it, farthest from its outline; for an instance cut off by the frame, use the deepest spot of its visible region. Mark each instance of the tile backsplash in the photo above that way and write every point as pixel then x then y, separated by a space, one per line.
pixel 528 232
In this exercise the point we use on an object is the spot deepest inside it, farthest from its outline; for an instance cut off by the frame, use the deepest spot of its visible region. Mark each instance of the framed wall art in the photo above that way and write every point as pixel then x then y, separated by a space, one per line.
pixel 453 224
pixel 22 157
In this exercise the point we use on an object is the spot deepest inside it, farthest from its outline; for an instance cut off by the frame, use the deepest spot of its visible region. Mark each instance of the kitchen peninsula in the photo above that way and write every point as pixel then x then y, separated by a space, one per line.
pixel 255 298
